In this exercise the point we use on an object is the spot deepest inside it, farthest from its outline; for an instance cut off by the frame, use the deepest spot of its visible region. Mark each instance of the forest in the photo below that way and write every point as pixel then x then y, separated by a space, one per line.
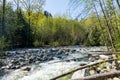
pixel 25 24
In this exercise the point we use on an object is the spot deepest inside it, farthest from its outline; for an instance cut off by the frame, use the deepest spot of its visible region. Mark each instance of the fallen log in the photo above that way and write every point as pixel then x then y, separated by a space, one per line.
pixel 95 53
pixel 102 76
pixel 82 67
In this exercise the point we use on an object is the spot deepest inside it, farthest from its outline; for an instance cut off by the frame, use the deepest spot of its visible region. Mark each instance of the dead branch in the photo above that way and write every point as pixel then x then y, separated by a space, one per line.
pixel 95 53
pixel 101 76
pixel 82 67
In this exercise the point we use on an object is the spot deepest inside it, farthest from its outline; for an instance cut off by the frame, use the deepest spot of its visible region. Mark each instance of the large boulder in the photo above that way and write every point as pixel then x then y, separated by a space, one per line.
pixel 104 57
pixel 78 74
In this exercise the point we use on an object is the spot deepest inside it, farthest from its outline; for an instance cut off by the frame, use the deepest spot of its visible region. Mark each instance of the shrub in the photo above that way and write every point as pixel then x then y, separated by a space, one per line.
pixel 38 43
pixel 3 44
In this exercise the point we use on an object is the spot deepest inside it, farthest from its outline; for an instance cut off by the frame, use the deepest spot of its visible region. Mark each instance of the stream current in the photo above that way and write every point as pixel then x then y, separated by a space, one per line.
pixel 51 68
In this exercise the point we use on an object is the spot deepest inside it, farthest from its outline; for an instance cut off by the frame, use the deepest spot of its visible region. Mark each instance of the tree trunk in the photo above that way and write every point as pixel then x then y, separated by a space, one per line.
pixel 29 23
pixel 3 19
pixel 107 26
pixel 103 36
pixel 102 76
pixel 118 3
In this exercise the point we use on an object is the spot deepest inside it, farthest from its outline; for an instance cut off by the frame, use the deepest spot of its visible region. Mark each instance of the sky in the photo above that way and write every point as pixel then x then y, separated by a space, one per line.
pixel 56 7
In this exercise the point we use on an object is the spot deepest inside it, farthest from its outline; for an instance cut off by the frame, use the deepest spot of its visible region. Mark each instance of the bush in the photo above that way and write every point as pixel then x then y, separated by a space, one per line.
pixel 3 44
pixel 37 43
pixel 55 43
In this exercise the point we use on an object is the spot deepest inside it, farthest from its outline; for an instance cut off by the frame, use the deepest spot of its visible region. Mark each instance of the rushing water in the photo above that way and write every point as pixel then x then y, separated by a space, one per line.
pixel 50 69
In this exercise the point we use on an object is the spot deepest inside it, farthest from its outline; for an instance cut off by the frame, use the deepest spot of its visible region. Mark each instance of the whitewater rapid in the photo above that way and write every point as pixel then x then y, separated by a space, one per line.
pixel 50 69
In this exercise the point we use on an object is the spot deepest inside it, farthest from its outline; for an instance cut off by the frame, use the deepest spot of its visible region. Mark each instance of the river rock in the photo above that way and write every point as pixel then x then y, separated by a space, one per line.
pixel 115 78
pixel 21 52
pixel 104 57
pixel 78 74
pixel 54 49
pixel 92 72
pixel 26 68
pixel 2 63
pixel 109 79
pixel 59 52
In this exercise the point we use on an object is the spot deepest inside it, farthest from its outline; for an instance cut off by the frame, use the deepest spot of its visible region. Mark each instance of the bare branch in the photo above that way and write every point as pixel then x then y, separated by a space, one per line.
pixel 101 76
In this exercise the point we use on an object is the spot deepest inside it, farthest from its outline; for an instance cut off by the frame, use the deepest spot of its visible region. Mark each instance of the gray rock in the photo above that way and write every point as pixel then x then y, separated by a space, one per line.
pixel 78 74
pixel 26 68
pixel 104 57
pixel 115 78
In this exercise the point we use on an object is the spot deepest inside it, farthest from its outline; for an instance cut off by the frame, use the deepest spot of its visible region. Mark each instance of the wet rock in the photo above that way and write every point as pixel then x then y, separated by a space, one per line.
pixel 92 72
pixel 33 50
pixel 104 57
pixel 59 52
pixel 12 52
pixel 26 68
pixel 55 58
pixel 115 78
pixel 72 51
pixel 37 62
pixel 92 59
pixel 78 50
pixel 2 55
pixel 78 74
pixel 2 73
pixel 2 63
pixel 109 79
pixel 54 49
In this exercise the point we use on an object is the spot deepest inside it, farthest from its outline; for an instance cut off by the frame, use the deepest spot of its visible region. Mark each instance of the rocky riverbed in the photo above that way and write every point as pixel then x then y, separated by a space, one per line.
pixel 18 58
pixel 45 63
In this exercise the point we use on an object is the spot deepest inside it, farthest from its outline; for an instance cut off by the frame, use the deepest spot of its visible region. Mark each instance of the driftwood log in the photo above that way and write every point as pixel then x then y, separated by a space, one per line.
pixel 95 53
pixel 82 67
pixel 102 76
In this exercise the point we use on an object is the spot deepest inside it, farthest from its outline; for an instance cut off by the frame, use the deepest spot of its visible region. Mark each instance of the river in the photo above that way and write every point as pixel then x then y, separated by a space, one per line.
pixel 49 68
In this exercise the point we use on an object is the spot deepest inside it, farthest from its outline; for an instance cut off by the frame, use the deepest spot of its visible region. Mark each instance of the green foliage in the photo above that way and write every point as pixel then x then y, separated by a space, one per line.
pixel 58 31
pixel 54 44
pixel 35 29
pixel 37 43
pixel 3 44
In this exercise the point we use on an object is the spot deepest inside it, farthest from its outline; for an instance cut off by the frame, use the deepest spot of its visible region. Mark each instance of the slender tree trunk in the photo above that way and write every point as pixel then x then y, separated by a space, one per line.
pixel 107 25
pixel 29 21
pixel 116 22
pixel 118 3
pixel 103 36
pixel 3 18
pixel 112 30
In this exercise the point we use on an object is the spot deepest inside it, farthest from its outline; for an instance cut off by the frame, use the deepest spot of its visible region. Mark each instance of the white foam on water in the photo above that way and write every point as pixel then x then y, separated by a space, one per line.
pixel 48 70
pixel 44 71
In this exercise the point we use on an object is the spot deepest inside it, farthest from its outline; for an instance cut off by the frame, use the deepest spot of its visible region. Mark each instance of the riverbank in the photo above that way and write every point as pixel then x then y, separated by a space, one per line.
pixel 42 59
